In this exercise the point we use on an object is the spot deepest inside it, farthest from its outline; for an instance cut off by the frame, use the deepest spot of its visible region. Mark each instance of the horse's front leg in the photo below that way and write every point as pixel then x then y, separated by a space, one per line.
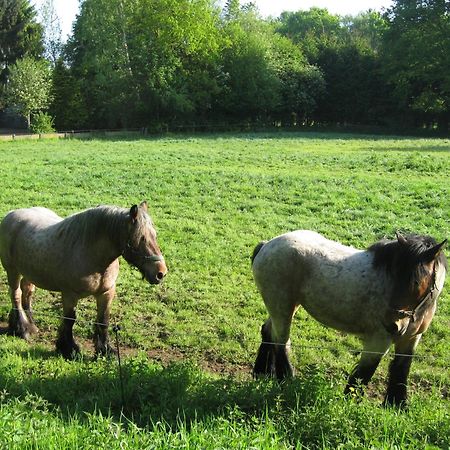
pixel 399 368
pixel 101 337
pixel 28 289
pixel 374 349
pixel 65 343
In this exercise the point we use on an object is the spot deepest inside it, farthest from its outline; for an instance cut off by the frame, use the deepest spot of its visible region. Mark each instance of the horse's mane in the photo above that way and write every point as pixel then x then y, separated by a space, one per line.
pixel 88 225
pixel 400 260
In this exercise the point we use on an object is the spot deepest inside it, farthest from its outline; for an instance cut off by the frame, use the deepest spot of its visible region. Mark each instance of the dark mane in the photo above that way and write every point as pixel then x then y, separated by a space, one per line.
pixel 386 250
pixel 88 225
pixel 401 260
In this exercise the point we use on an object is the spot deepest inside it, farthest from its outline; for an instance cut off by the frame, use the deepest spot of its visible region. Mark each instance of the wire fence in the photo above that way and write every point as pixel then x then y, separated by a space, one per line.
pixel 116 327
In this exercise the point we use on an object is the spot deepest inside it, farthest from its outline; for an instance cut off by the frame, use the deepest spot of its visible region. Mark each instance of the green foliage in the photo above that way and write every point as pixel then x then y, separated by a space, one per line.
pixel 312 30
pixel 68 105
pixel 154 63
pixel 368 29
pixel 29 86
pixel 163 56
pixel 20 34
pixel 346 52
pixel 301 85
pixel 52 36
pixel 212 199
pixel 250 82
pixel 417 60
pixel 42 123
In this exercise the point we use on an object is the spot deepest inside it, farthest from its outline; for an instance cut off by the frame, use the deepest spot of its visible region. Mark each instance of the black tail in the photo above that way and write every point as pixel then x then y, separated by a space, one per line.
pixel 257 249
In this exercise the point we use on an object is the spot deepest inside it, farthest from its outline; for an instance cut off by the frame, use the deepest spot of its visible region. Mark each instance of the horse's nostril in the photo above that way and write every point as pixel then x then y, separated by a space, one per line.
pixel 159 275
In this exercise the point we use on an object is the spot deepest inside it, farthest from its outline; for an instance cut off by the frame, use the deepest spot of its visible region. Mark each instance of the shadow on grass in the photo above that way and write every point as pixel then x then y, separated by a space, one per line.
pixel 151 393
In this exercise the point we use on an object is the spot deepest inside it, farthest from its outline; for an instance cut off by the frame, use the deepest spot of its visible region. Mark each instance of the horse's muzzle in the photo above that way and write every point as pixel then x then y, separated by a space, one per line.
pixel 158 273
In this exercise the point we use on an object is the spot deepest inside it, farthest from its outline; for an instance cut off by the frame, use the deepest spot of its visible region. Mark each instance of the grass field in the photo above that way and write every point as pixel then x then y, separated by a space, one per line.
pixel 189 344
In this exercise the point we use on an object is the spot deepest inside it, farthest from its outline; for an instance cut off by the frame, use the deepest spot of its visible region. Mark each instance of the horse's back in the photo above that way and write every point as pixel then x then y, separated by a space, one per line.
pixel 330 280
pixel 300 256
pixel 37 217
pixel 302 244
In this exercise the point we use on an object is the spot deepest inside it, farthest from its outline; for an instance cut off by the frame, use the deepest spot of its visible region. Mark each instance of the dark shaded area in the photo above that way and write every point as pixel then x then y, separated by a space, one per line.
pixel 153 392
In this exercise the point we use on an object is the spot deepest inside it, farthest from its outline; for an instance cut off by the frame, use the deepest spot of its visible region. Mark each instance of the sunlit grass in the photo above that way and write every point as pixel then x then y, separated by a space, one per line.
pixel 213 198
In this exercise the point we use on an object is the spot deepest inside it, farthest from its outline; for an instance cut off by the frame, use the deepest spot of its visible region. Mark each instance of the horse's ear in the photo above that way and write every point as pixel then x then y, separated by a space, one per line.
pixel 134 212
pixel 432 253
pixel 144 205
pixel 400 238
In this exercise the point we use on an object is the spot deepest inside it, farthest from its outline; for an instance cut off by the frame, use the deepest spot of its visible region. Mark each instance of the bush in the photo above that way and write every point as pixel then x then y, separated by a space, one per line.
pixel 42 123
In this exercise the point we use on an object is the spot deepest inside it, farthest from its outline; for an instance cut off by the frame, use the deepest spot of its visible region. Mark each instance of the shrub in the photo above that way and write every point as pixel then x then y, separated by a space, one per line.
pixel 42 123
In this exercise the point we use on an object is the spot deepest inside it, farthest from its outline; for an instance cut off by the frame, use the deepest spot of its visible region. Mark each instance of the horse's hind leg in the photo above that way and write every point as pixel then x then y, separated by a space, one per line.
pixel 265 359
pixel 28 289
pixel 65 343
pixel 101 337
pixel 19 324
pixel 281 327
pixel 272 356
pixel 374 349
pixel 396 394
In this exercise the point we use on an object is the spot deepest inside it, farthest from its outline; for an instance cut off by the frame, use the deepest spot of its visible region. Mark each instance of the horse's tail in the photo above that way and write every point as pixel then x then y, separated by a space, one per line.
pixel 257 249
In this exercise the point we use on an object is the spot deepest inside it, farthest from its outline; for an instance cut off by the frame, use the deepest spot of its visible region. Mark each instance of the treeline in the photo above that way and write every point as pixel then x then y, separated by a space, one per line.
pixel 158 63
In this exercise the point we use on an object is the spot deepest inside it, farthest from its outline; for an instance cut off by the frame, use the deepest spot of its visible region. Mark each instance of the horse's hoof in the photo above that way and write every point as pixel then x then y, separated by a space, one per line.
pixel 396 403
pixel 22 332
pixel 69 355
pixel 19 334
pixel 106 351
pixel 66 350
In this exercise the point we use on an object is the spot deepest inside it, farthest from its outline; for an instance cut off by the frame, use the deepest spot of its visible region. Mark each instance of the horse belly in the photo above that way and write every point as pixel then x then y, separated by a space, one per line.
pixel 348 320
pixel 347 303
pixel 74 280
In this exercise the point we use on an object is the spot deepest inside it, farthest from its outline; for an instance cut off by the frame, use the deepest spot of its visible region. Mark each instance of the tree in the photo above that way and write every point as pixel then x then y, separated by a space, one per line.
pixel 68 103
pixel 417 60
pixel 250 87
pixel 347 53
pixel 301 84
pixel 20 34
pixel 312 30
pixel 52 31
pixel 367 29
pixel 141 61
pixel 29 86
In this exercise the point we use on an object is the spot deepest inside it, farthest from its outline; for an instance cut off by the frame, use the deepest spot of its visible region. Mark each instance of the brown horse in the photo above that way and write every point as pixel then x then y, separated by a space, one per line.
pixel 77 256
pixel 385 294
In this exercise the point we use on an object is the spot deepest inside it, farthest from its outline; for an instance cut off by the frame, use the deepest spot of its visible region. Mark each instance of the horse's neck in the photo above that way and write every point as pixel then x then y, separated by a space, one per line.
pixel 113 228
pixel 99 232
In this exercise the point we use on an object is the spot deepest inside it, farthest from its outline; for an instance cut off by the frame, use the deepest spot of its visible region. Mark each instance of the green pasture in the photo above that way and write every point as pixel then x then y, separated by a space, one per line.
pixel 189 344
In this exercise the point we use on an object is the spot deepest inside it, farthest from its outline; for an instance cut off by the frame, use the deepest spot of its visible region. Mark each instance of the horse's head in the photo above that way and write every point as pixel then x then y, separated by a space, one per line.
pixel 417 266
pixel 142 250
